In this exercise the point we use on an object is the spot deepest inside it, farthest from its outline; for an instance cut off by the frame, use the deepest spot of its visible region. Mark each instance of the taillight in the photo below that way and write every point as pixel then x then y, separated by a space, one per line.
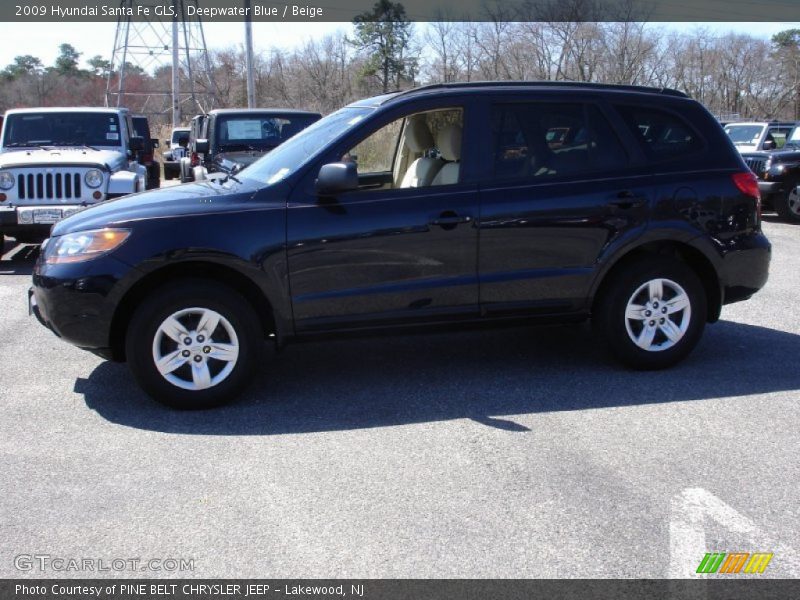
pixel 195 159
pixel 748 185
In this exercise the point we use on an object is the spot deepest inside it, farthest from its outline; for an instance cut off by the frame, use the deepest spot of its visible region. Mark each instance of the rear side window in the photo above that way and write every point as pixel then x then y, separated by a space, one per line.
pixel 662 135
pixel 540 140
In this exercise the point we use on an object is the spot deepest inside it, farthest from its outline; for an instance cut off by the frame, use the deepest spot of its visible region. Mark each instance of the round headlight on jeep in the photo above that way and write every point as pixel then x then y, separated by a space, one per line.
pixel 6 180
pixel 93 178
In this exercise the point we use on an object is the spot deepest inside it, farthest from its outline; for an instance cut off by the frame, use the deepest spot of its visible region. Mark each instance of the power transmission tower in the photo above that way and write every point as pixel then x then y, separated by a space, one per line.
pixel 160 65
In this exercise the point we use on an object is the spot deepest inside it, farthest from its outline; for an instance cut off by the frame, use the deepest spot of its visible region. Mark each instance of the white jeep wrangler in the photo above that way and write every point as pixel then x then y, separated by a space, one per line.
pixel 56 161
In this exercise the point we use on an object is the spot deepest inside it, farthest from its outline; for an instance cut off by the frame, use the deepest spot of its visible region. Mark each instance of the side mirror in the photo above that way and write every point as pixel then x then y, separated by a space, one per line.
pixel 201 146
pixel 769 145
pixel 338 177
pixel 137 143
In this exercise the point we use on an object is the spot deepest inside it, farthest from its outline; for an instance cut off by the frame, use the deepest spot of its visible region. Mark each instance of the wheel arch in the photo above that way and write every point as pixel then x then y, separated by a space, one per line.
pixel 222 274
pixel 683 251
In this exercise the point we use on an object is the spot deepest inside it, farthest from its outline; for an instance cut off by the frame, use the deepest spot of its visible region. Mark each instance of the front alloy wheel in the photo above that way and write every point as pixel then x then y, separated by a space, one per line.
pixel 788 206
pixel 194 344
pixel 195 348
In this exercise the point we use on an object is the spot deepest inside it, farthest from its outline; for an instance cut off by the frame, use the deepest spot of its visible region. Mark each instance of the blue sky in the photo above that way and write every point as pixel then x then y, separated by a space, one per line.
pixel 27 38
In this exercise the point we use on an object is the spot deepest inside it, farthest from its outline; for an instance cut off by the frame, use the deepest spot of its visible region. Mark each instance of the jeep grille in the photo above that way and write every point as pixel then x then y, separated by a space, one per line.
pixel 757 165
pixel 49 186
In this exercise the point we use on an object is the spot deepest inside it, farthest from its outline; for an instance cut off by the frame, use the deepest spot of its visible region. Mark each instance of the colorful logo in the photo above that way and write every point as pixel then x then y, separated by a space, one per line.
pixel 731 563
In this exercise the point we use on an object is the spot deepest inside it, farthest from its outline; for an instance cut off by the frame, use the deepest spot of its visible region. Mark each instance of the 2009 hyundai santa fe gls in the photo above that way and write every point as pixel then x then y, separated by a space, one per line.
pixel 449 203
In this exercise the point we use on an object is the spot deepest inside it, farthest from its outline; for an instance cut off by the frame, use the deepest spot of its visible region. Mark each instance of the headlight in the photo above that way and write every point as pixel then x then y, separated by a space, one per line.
pixel 84 245
pixel 6 180
pixel 93 178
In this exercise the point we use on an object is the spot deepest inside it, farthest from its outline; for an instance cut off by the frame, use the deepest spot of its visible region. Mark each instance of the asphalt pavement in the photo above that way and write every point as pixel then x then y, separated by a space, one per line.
pixel 522 452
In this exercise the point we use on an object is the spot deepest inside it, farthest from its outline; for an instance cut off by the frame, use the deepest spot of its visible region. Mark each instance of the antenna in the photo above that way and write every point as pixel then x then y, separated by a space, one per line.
pixel 171 51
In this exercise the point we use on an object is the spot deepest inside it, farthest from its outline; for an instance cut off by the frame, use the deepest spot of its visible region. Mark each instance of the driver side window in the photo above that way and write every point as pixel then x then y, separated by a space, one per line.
pixel 419 150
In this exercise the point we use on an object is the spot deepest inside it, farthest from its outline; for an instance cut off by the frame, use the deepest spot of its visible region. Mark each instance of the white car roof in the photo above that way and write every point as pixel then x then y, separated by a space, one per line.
pixel 75 109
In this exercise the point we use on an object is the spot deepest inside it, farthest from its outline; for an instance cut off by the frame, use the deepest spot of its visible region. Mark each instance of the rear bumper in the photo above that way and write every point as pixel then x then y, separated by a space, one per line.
pixel 745 268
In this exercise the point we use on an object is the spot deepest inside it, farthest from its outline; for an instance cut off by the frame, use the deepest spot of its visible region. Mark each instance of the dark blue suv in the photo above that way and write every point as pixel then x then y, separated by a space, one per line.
pixel 447 204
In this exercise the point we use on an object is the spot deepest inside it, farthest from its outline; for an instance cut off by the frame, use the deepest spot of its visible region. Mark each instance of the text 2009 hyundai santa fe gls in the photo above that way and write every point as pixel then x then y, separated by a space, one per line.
pixel 451 203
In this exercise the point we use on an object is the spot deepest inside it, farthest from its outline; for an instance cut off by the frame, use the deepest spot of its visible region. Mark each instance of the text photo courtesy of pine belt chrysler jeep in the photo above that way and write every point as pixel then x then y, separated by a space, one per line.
pixel 56 161
pixel 449 205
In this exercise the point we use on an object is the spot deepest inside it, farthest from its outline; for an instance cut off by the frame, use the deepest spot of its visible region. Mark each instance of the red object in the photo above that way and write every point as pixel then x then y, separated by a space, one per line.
pixel 748 185
pixel 97 195
pixel 195 159
pixel 2 197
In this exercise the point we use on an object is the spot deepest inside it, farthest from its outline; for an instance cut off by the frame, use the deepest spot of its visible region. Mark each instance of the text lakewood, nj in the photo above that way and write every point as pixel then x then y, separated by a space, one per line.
pixel 168 10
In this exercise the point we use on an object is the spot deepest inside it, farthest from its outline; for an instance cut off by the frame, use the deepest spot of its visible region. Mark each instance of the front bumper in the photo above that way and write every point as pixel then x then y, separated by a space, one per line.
pixel 77 301
pixel 28 217
pixel 768 188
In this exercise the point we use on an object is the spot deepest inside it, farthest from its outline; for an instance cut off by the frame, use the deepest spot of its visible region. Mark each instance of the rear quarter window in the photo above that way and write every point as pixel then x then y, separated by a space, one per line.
pixel 662 135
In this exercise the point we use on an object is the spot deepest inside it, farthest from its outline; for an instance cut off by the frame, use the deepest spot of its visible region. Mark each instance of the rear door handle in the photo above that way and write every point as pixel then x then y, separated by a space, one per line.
pixel 449 220
pixel 627 199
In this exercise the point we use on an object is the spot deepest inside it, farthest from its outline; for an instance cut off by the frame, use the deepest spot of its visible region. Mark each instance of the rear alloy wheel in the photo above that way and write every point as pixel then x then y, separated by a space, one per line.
pixel 652 313
pixel 788 206
pixel 194 344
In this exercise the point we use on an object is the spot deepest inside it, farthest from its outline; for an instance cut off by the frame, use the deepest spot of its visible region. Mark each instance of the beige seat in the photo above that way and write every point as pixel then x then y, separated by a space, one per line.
pixel 419 140
pixel 448 141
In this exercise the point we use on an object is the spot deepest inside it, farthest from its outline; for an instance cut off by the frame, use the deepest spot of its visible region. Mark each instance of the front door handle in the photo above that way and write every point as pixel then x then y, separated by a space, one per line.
pixel 449 220
pixel 627 199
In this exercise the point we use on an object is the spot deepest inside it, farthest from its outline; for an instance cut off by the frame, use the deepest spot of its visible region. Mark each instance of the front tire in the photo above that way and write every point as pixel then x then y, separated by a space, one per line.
pixel 652 313
pixel 194 344
pixel 788 205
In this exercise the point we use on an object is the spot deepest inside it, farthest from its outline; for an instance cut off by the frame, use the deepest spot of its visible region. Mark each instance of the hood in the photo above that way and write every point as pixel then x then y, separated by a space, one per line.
pixel 776 155
pixel 189 199
pixel 60 156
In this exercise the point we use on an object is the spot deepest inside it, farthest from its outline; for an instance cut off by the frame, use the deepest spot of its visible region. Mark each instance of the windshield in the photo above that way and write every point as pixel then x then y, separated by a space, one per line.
pixel 290 156
pixel 744 134
pixel 61 129
pixel 177 134
pixel 258 132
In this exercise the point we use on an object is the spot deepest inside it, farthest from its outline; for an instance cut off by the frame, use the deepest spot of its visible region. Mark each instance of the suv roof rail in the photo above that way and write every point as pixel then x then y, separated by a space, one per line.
pixel 542 83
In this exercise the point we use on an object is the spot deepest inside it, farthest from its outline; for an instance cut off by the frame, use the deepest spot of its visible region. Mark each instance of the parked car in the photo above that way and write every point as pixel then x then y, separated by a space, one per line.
pixel 755 137
pixel 439 205
pixel 192 158
pixel 146 156
pixel 778 175
pixel 178 148
pixel 235 138
pixel 56 161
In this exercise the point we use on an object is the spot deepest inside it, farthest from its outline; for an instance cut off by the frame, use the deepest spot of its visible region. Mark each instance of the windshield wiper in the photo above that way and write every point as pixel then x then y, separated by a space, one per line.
pixel 27 144
pixel 76 144
pixel 234 147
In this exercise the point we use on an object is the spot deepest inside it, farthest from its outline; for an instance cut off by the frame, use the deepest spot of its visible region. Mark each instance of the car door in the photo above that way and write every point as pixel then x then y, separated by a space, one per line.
pixel 384 254
pixel 562 185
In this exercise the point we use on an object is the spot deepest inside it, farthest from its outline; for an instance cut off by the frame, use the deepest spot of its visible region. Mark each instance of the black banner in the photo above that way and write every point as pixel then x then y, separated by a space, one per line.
pixel 399 589
pixel 417 10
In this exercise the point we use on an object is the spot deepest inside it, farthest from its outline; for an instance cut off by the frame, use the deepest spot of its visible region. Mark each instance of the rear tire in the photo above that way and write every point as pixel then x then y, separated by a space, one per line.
pixel 194 344
pixel 652 312
pixel 788 205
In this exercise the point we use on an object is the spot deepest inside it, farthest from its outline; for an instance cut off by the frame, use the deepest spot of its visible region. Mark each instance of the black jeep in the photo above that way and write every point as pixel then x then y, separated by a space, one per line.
pixel 778 175
pixel 236 138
